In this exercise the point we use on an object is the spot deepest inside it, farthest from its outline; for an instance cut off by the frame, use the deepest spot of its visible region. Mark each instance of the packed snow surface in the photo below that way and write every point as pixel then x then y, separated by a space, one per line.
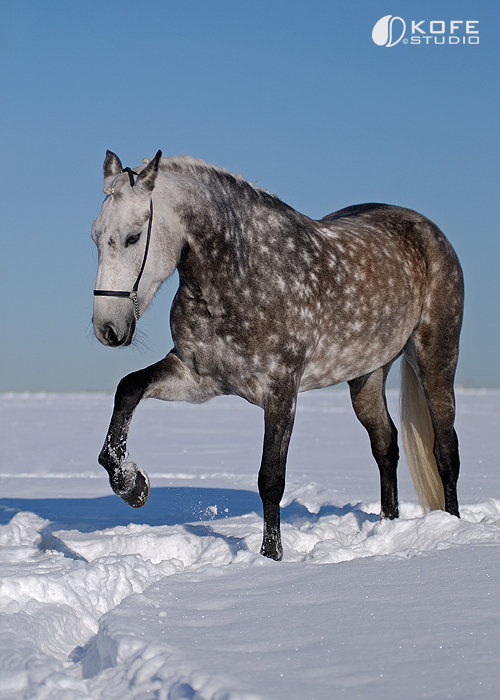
pixel 173 600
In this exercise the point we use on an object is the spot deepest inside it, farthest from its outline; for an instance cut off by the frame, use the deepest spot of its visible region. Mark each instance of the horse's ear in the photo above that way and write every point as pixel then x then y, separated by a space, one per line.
pixel 112 166
pixel 147 177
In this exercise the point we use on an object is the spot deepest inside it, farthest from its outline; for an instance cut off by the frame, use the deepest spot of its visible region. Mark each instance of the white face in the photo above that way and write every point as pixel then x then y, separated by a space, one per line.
pixel 120 233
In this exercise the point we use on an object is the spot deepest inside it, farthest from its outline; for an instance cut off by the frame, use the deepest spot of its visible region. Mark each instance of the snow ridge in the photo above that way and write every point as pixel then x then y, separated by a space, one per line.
pixel 68 612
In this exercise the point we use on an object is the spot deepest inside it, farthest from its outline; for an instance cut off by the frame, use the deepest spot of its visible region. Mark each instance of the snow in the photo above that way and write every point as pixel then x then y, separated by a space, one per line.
pixel 172 600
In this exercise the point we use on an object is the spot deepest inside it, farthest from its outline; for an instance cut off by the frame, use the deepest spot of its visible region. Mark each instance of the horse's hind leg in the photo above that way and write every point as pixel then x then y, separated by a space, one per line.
pixel 433 357
pixel 432 352
pixel 171 380
pixel 370 406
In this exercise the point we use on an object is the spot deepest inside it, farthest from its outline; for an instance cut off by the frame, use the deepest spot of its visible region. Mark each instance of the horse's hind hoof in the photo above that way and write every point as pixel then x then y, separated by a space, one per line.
pixel 136 491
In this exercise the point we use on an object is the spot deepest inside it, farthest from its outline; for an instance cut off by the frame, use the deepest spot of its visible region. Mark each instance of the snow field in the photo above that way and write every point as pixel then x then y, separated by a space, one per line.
pixel 174 601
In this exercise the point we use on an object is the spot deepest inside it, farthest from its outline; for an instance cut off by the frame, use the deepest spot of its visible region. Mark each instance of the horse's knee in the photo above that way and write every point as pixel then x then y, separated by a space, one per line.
pixel 129 391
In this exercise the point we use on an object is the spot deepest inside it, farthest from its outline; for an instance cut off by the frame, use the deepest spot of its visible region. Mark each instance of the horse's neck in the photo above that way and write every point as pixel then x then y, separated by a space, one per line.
pixel 217 226
pixel 230 229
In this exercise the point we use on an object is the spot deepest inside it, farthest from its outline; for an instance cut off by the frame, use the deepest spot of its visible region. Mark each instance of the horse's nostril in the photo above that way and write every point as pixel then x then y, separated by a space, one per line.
pixel 109 335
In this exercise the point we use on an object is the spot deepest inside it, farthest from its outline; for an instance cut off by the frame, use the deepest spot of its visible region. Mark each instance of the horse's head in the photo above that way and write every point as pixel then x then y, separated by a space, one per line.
pixel 132 261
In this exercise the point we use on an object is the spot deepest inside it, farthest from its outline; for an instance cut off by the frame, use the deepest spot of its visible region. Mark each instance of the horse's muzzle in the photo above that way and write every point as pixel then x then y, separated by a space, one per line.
pixel 108 335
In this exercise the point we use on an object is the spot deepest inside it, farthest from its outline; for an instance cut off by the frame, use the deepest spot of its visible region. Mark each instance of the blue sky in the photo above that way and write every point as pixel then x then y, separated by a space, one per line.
pixel 292 95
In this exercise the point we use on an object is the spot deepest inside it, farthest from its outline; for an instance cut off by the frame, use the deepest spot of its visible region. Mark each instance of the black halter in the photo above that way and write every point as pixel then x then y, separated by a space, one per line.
pixel 133 294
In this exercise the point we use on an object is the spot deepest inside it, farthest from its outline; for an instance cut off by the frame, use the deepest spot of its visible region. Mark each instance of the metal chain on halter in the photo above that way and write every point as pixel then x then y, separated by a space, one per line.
pixel 135 302
pixel 133 294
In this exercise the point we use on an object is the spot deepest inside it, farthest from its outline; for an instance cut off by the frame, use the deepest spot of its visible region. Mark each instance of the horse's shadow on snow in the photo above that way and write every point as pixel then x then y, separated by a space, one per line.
pixel 194 508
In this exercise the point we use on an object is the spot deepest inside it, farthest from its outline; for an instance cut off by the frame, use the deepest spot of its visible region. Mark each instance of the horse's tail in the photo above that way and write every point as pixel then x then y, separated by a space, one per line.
pixel 418 440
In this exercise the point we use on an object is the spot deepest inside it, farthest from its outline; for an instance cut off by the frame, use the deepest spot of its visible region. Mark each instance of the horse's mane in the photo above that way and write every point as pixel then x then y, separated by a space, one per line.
pixel 222 181
pixel 200 169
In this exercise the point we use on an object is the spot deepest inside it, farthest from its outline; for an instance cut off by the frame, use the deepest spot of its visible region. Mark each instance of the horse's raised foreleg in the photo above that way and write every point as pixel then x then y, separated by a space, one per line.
pixel 170 380
pixel 370 406
pixel 279 414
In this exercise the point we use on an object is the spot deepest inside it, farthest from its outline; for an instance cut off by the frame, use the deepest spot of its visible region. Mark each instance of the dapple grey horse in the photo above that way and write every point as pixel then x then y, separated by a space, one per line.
pixel 270 303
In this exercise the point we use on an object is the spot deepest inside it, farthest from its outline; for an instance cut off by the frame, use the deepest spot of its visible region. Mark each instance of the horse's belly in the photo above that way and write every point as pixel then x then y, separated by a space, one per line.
pixel 334 362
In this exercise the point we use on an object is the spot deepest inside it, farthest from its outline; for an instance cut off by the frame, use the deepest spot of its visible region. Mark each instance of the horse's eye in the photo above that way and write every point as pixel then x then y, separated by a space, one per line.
pixel 132 239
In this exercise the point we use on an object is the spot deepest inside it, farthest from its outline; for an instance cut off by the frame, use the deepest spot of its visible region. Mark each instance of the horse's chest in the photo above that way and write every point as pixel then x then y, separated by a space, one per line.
pixel 219 346
pixel 237 349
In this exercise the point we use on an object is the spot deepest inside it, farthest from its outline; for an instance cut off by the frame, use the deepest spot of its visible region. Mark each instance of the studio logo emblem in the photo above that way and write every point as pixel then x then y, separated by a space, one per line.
pixel 389 31
pixel 392 29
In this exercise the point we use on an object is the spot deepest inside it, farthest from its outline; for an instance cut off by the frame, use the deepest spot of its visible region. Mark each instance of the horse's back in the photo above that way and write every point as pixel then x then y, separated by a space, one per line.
pixel 356 210
pixel 392 227
pixel 398 223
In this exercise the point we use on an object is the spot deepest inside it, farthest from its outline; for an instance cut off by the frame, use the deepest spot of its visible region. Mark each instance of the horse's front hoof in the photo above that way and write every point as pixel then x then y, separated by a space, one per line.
pixel 272 550
pixel 134 489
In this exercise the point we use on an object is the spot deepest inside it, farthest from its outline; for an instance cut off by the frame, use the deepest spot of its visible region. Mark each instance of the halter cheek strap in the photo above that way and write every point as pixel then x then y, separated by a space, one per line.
pixel 133 294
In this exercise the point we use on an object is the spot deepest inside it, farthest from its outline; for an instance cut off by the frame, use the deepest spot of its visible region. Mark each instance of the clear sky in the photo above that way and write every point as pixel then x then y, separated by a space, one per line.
pixel 292 95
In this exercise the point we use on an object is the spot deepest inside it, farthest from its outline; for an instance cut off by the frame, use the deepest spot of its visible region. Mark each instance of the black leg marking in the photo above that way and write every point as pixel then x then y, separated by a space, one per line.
pixel 370 405
pixel 170 379
pixel 279 414
pixel 126 479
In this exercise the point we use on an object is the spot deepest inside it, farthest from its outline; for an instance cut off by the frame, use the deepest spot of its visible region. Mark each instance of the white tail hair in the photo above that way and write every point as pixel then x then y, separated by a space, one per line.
pixel 418 440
